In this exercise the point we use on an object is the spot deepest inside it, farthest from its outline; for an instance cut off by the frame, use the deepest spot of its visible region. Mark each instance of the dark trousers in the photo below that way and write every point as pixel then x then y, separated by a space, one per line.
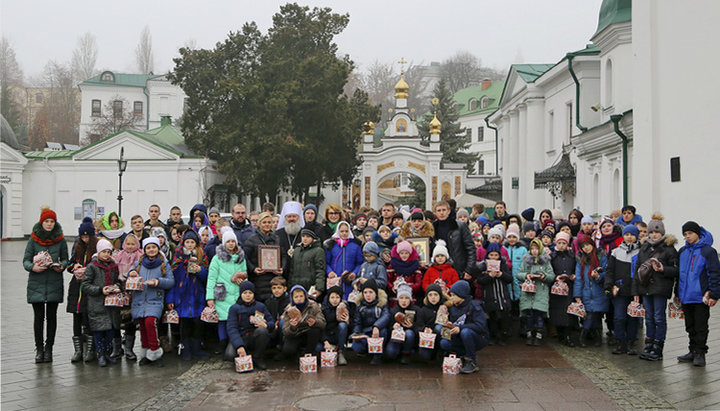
pixel 44 311
pixel 466 343
pixel 534 319
pixel 256 342
pixel 309 340
pixel 191 328
pixel 593 320
pixel 625 326
pixel 103 341
pixel 337 336
pixel 696 325
pixel 499 323
pixel 80 324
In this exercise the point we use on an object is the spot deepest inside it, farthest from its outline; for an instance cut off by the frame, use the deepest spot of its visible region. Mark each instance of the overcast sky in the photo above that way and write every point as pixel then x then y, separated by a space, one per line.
pixel 500 32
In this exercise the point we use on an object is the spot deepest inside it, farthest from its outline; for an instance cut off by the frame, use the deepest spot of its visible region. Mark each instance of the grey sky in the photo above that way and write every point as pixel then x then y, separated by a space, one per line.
pixel 500 32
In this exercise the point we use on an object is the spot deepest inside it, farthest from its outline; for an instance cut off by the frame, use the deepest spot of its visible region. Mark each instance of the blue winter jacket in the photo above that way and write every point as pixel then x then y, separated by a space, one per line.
pixel 188 293
pixel 238 321
pixel 515 253
pixel 699 270
pixel 637 218
pixel 369 315
pixel 474 316
pixel 339 259
pixel 150 301
pixel 590 290
pixel 375 270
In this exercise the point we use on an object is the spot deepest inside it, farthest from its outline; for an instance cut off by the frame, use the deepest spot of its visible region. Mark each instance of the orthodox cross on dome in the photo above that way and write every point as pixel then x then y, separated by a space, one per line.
pixel 402 63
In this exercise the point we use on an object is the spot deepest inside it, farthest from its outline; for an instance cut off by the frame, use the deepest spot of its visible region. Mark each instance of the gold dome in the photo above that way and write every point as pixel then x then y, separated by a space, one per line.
pixel 368 128
pixel 435 125
pixel 401 88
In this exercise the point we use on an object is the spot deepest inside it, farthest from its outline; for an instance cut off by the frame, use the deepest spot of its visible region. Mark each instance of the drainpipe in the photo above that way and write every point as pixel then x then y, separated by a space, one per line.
pixel 615 118
pixel 147 107
pixel 497 163
pixel 570 57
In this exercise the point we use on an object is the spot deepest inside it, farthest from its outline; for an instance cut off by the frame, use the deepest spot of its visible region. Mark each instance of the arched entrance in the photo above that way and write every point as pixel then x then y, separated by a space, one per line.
pixel 401 188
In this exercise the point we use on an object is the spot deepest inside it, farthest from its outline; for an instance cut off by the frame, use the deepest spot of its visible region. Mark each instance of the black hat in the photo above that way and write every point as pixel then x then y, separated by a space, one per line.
pixel 418 215
pixel 434 287
pixel 371 284
pixel 337 290
pixel 309 233
pixel 691 226
pixel 86 227
pixel 628 207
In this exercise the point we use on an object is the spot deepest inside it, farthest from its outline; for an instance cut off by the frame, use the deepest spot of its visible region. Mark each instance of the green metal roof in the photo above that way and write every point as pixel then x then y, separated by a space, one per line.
pixel 55 155
pixel 589 50
pixel 530 72
pixel 121 79
pixel 170 137
pixel 493 93
pixel 613 11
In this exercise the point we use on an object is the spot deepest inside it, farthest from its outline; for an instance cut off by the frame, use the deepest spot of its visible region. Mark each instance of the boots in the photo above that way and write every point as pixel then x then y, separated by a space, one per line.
pixel 196 350
pixel 47 353
pixel 569 341
pixel 341 358
pixel 470 366
pixel 656 352
pixel 185 352
pixel 648 348
pixel 529 337
pixel 165 343
pixel 538 337
pixel 102 360
pixel 583 338
pixel 699 358
pixel 39 354
pixel 689 357
pixel 128 345
pixel 89 354
pixel 620 348
pixel 78 346
pixel 117 351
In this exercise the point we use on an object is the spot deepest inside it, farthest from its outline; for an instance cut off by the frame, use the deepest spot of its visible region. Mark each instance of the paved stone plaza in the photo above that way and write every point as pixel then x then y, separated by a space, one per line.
pixel 515 377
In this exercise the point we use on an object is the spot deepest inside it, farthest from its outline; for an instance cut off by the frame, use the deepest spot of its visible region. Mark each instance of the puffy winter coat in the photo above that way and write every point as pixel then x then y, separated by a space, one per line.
pixel 621 268
pixel 397 309
pixel 77 301
pixel 375 270
pixel 149 302
pixel 590 290
pixel 460 245
pixel 238 321
pixel 312 309
pixel 261 281
pixel 660 283
pixel 445 272
pixel 45 286
pixel 407 230
pixel 188 293
pixel 100 317
pixel 222 267
pixel 343 258
pixel 469 314
pixel 428 312
pixel 369 315
pixel 308 266
pixel 699 270
pixel 563 262
pixel 496 296
pixel 243 232
pixel 515 255
pixel 540 299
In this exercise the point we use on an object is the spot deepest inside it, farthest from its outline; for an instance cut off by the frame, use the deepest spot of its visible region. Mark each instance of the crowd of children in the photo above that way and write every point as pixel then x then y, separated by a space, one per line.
pixel 358 278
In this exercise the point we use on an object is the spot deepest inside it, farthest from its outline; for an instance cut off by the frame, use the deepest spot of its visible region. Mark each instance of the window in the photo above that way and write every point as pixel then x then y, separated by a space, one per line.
pixel 38 98
pixel 569 108
pixel 118 108
pixel 484 102
pixel 608 83
pixel 107 76
pixel 96 108
pixel 551 131
pixel 138 108
pixel 481 134
pixel 472 104
pixel 674 169
pixel 481 167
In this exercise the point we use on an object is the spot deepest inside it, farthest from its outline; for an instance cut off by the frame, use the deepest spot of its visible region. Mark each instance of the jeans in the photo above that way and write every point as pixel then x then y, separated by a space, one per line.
pixel 41 312
pixel 222 330
pixel 407 347
pixel 655 318
pixel 361 346
pixel 625 326
pixel 593 320
pixel 256 342
pixel 103 341
pixel 338 337
pixel 466 343
pixel 426 353
pixel 696 325
pixel 534 319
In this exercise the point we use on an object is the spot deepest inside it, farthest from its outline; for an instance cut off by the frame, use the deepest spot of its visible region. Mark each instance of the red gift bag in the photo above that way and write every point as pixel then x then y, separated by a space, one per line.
pixel 560 288
pixel 636 310
pixel 328 359
pixel 676 311
pixel 171 317
pixel 209 315
pixel 134 284
pixel 528 286
pixel 451 365
pixel 427 340
pixel 576 309
pixel 375 345
pixel 244 363
pixel 308 364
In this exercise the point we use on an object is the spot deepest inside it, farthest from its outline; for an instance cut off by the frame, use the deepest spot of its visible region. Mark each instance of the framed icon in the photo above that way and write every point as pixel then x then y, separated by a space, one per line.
pixel 422 246
pixel 269 257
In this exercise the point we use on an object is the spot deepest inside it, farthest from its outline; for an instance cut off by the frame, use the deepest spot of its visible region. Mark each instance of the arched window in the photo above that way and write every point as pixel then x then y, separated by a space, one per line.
pixel 484 102
pixel 107 76
pixel 472 105
pixel 608 83
pixel 596 193
pixel 401 125
pixel 616 187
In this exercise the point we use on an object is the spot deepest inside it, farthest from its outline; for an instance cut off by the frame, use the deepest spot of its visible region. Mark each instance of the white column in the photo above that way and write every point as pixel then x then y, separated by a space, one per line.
pixel 534 155
pixel 511 196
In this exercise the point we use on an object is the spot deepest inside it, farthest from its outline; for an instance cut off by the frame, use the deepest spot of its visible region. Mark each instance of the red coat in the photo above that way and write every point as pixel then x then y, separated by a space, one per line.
pixel 446 272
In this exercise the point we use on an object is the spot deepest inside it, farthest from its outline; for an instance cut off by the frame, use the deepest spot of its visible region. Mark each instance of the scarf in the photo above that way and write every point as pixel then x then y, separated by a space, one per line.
pixel 575 229
pixel 47 238
pixel 607 241
pixel 112 234
pixel 404 268
pixel 333 226
pixel 341 242
pixel 151 264
pixel 655 243
pixel 108 268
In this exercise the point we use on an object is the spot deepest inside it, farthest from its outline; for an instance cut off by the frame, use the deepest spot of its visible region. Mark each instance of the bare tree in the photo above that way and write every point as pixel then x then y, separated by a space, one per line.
pixel 116 115
pixel 85 57
pixel 11 79
pixel 378 82
pixel 63 104
pixel 144 52
pixel 461 71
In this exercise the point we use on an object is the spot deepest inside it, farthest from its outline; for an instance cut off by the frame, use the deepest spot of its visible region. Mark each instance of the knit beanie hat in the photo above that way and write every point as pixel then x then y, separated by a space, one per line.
pixel 371 248
pixel 151 240
pixel 404 246
pixel 368 229
pixel 47 213
pixel 529 226
pixel 440 249
pixel 656 225
pixel 247 286
pixel 481 220
pixel 434 287
pixel 462 213
pixel 371 284
pixel 587 219
pixel 528 214
pixel 359 215
pixel 496 231
pixel 191 235
pixel 310 233
pixel 310 207
pixel 103 245
pixel 335 290
pixel 158 232
pixel 562 236
pixel 514 231
pixel 584 238
pixel 548 223
pixel 691 226
pixel 631 229
pixel 562 224
pixel 227 236
pixel 461 289
pixel 404 290
pixel 417 215
pixel 547 233
pixel 629 207
pixel 493 248
pixel 86 227
pixel 213 211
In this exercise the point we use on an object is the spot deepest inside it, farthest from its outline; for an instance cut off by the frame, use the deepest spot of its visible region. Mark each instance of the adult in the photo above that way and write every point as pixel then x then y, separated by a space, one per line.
pixel 241 225
pixel 175 217
pixel 386 213
pixel 478 209
pixel 45 280
pixel 310 217
pixel 629 216
pixel 137 227
pixel 261 277
pixel 288 230
pixel 698 288
pixel 333 215
pixel 457 236
pixel 113 229
pixel 154 219
pixel 575 220
pixel 501 212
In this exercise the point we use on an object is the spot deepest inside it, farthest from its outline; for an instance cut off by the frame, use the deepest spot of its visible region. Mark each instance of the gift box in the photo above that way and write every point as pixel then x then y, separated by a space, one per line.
pixel 493 265
pixel 427 340
pixel 528 286
pixel 442 315
pixel 353 295
pixel 209 315
pixel 560 288
pixel 676 311
pixel 397 335
pixel 114 300
pixel 126 299
pixel 43 259
pixel 308 364
pixel 375 345
pixel 328 359
pixel 445 333
pixel 332 282
pixel 576 309
pixel 451 365
pixel 171 317
pixel 244 363
pixel 341 310
pixel 636 309
pixel 134 284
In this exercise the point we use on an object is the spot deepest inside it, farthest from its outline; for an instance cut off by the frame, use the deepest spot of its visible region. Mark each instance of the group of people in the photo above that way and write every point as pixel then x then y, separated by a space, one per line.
pixel 356 277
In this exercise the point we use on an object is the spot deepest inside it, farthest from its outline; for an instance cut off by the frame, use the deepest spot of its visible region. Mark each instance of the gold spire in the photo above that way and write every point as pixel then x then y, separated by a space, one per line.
pixel 435 125
pixel 368 128
pixel 402 87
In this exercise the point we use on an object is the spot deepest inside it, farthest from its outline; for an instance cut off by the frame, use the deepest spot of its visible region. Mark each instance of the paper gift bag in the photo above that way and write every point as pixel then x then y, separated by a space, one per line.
pixel 445 333
pixel 398 335
pixel 244 363
pixel 528 286
pixel 134 284
pixel 114 300
pixel 171 317
pixel 636 310
pixel 331 282
pixel 493 265
pixel 209 315
pixel 328 359
pixel 560 288
pixel 375 345
pixel 126 299
pixel 451 365
pixel 576 309
pixel 43 259
pixel 442 315
pixel 676 311
pixel 427 340
pixel 308 364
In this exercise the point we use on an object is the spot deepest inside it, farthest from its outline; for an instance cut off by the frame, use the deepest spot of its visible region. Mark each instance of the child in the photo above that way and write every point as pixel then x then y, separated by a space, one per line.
pixel 308 263
pixel 373 221
pixel 112 228
pixel 245 327
pixel 367 234
pixel 547 238
pixel 213 216
pixel 147 304
pixel 336 326
pixel 469 331
pixel 619 278
pixel 204 236
pixel 83 251
pixel 406 322
pixel 343 257
pixel 101 279
pixel 516 251
pixel 417 227
pixel 160 233
pixel 127 259
pixel 372 268
pixel 588 288
pixel 496 297
pixel 434 298
pixel 360 222
pixel 404 264
pixel 303 323
pixel 198 221
pixel 276 306
pixel 530 232
pixel 534 306
pixel 563 263
pixel 642 231
pixel 587 227
pixel 227 270
pixel 384 237
pixel 442 270
pixel 371 318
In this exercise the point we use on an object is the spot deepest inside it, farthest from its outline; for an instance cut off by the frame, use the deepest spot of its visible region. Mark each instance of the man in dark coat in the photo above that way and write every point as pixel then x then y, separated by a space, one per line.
pixel 240 224
pixel 457 237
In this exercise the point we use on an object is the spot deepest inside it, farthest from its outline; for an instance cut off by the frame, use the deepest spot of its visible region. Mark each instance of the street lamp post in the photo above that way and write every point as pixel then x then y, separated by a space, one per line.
pixel 122 166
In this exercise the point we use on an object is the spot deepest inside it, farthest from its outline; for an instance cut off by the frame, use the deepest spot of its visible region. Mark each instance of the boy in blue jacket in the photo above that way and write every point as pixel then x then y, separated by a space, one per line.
pixel 698 288
pixel 469 326
pixel 373 267
pixel 371 318
pixel 245 328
